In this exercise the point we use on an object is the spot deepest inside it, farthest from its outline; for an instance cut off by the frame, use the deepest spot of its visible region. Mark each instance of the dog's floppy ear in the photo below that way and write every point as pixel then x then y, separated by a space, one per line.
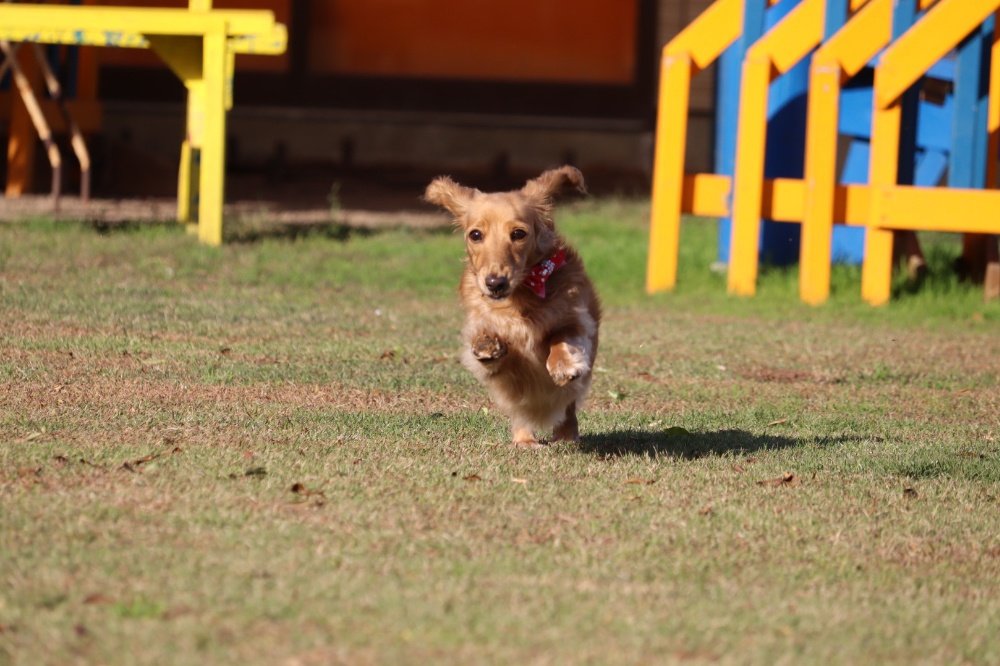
pixel 552 181
pixel 448 194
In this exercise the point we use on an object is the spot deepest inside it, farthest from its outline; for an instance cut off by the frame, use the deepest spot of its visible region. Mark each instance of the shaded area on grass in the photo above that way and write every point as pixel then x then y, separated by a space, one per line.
pixel 968 465
pixel 690 446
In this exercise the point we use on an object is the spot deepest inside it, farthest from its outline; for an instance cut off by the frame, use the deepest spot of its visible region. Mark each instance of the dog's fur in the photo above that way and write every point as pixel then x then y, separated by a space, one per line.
pixel 535 355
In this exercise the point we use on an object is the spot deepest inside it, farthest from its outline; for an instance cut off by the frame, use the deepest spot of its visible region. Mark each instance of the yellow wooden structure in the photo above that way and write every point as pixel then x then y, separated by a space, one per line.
pixel 772 55
pixel 817 201
pixel 901 207
pixel 839 58
pixel 691 51
pixel 199 45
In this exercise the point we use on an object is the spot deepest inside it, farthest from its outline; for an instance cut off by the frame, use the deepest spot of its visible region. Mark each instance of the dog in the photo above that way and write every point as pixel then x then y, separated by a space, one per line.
pixel 532 314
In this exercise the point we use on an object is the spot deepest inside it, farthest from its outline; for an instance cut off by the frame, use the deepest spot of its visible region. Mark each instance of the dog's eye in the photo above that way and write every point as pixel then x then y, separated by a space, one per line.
pixel 518 234
pixel 475 235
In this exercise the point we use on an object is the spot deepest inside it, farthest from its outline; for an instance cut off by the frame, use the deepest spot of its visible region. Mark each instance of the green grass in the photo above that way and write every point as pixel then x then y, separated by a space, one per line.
pixel 269 453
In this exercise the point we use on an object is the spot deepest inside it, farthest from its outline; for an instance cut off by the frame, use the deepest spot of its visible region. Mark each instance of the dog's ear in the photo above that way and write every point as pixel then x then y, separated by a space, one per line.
pixel 553 181
pixel 448 194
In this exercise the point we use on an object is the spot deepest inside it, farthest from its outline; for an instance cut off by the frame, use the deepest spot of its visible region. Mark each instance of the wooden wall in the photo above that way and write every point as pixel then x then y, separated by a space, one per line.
pixel 589 58
pixel 582 41
pixel 597 58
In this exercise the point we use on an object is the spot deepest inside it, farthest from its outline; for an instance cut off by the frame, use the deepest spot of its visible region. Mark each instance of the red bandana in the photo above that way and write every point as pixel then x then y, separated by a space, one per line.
pixel 541 272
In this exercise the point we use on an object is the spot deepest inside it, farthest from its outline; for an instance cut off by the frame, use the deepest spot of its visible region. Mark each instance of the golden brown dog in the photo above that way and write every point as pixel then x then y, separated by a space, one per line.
pixel 531 312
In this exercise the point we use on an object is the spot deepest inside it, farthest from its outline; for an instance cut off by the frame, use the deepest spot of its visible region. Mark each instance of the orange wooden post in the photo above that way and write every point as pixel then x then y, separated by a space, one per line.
pixel 668 173
pixel 749 175
pixel 21 141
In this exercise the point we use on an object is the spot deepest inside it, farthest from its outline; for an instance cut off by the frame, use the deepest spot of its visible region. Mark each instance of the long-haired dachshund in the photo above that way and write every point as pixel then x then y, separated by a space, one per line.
pixel 532 315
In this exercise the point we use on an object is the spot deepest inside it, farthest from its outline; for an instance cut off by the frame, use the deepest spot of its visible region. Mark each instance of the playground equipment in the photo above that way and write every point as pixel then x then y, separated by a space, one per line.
pixel 38 118
pixel 848 35
pixel 199 45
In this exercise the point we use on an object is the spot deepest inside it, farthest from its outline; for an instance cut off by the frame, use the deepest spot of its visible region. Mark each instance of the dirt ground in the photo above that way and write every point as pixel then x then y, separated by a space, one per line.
pixel 305 194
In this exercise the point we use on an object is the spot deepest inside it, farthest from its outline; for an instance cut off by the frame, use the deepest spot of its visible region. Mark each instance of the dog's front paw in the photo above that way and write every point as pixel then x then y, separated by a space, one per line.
pixel 487 348
pixel 564 373
pixel 566 363
pixel 531 445
pixel 524 438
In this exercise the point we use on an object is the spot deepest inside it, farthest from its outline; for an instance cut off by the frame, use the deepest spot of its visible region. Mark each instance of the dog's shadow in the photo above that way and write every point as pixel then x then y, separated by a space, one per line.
pixel 678 443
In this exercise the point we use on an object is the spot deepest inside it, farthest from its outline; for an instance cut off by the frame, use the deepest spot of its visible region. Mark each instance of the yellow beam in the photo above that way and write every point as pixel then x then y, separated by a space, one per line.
pixel 936 209
pixel 705 38
pixel 706 194
pixel 852 205
pixel 791 40
pixel 782 199
pixel 820 179
pixel 749 174
pixel 876 271
pixel 929 40
pixel 213 153
pixel 668 173
pixel 182 53
pixel 854 45
pixel 272 42
pixel 249 31
pixel 64 24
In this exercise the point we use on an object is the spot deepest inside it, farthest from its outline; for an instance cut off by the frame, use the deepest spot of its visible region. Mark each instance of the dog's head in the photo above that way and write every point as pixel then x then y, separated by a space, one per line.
pixel 506 233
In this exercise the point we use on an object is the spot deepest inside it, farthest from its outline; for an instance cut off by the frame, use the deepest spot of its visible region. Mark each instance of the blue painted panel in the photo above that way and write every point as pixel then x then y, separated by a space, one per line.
pixel 786 128
pixel 934 128
pixel 855 169
pixel 931 167
pixel 932 131
pixel 968 137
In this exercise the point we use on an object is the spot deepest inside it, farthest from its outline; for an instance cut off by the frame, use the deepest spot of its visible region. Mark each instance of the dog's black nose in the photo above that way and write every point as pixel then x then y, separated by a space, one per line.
pixel 497 284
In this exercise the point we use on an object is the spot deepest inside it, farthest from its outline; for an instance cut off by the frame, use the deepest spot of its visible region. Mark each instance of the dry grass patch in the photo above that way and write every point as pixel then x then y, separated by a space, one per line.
pixel 268 453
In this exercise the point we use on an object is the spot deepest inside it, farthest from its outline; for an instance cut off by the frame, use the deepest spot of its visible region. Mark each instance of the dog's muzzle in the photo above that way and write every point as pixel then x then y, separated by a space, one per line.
pixel 498 286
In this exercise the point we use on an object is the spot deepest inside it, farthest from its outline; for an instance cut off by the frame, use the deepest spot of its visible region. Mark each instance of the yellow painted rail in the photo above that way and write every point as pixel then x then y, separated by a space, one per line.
pixel 199 45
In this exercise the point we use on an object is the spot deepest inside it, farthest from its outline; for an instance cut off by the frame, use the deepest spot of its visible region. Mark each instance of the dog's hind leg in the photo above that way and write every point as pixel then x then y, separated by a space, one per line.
pixel 569 429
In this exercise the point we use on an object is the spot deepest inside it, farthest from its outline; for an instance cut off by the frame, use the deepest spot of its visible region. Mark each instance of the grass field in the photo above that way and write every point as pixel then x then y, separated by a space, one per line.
pixel 268 453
